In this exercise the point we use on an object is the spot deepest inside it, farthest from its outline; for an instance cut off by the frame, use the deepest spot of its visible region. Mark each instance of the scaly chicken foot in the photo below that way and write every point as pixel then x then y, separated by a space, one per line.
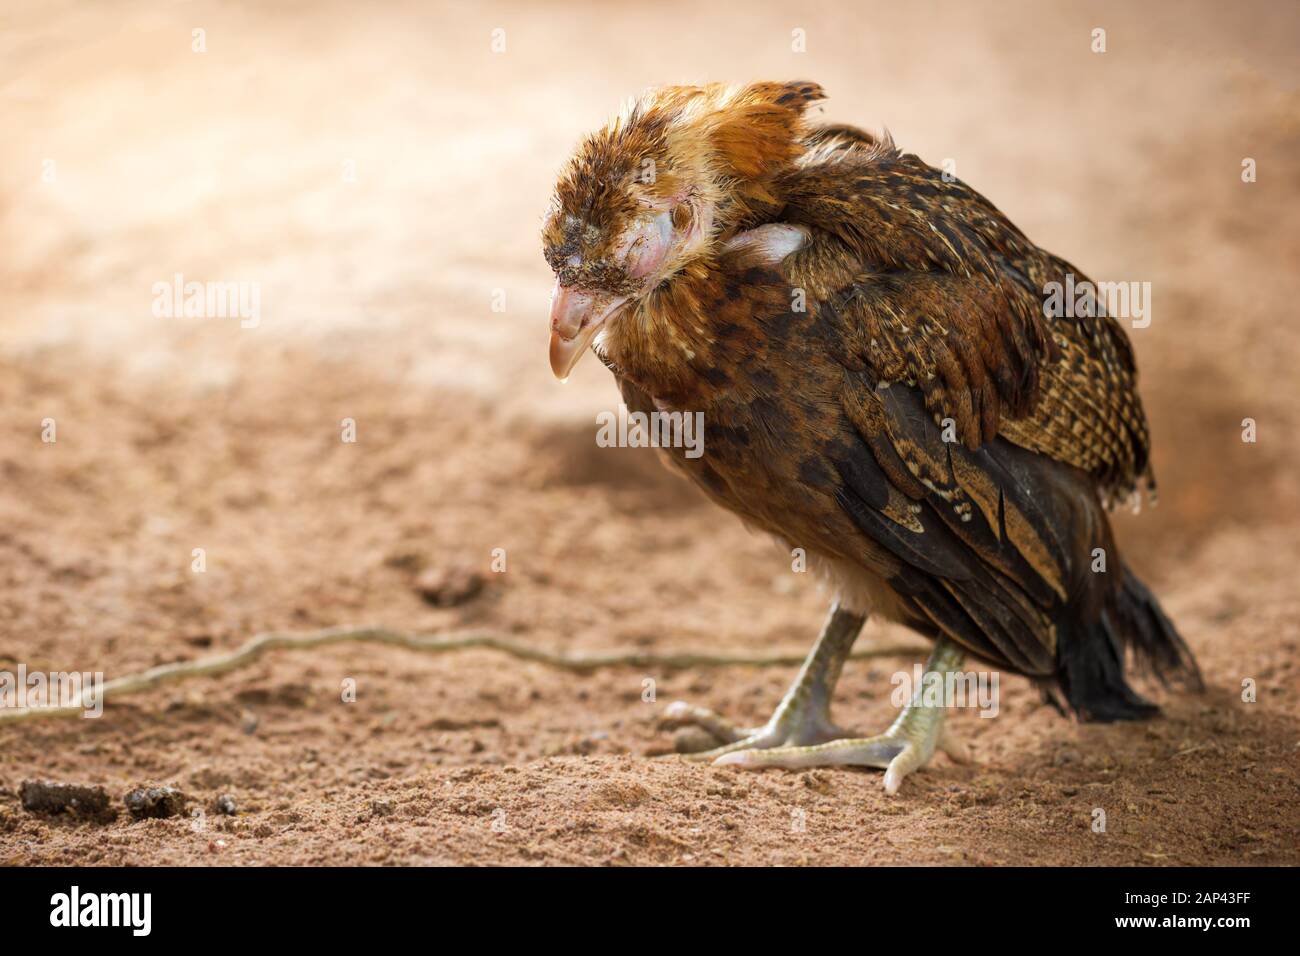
pixel 906 746
pixel 803 716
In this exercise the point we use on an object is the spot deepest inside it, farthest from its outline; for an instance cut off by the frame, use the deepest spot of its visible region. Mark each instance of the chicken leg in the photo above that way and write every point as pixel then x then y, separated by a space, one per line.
pixel 803 717
pixel 801 734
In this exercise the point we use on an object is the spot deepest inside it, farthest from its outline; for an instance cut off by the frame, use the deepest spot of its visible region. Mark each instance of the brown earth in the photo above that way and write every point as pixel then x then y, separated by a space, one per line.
pixel 377 305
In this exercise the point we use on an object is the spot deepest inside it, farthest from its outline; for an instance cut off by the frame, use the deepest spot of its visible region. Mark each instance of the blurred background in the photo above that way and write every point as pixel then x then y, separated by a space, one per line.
pixel 379 171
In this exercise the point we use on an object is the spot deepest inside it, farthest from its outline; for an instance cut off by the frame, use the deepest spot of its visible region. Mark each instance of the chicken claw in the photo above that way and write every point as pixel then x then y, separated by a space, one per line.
pixel 795 727
pixel 681 714
pixel 803 716
pixel 800 733
pixel 908 745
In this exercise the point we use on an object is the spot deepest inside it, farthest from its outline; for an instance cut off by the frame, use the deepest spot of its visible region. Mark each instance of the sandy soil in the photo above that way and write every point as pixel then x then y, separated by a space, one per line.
pixel 377 305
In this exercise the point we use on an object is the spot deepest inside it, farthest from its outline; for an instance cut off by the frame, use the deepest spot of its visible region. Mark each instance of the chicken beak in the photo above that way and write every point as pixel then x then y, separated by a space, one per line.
pixel 576 317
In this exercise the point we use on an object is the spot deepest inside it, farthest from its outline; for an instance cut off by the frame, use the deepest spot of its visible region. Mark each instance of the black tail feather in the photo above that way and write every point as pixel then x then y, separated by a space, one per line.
pixel 1091 656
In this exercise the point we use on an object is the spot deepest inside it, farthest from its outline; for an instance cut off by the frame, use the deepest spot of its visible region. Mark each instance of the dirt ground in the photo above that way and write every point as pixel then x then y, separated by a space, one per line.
pixel 381 173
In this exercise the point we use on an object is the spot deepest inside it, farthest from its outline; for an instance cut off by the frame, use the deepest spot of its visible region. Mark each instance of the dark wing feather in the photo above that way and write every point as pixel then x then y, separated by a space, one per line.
pixel 985 426
pixel 980 536
pixel 932 287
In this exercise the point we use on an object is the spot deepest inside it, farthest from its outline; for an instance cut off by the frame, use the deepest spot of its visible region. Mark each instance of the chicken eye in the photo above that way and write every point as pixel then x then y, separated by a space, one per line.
pixel 646 245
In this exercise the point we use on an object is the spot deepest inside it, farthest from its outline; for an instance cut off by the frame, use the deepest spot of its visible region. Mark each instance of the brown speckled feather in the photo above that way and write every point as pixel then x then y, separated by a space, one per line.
pixel 940 291
pixel 889 393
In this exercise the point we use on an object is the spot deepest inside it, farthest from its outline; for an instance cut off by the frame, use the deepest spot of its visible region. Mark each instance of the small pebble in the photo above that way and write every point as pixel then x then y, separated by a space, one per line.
pixel 450 586
pixel 155 802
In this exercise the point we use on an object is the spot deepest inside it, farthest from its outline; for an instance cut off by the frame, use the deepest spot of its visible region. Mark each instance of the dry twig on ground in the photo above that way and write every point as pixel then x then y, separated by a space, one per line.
pixel 256 646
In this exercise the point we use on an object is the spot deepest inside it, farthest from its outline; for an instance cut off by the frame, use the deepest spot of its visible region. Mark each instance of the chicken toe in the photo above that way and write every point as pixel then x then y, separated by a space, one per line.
pixel 906 746
pixel 803 716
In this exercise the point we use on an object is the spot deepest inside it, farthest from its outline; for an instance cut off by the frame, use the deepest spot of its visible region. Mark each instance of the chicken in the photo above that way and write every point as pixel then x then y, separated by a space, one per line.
pixel 881 386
